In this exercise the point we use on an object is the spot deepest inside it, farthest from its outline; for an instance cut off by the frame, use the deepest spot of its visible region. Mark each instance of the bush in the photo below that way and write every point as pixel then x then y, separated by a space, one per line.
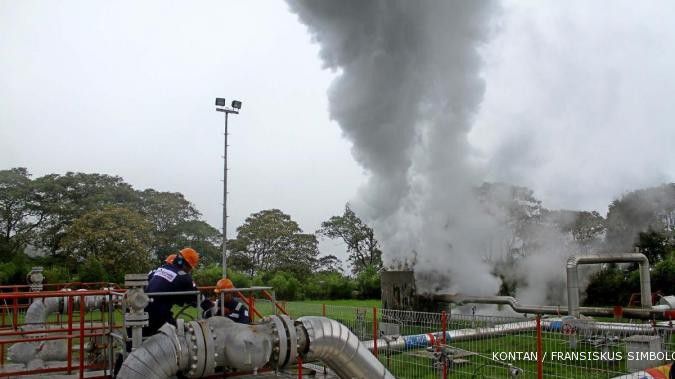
pixel 328 285
pixel 57 274
pixel 92 271
pixel 286 286
pixel 663 277
pixel 211 274
pixel 208 275
pixel 612 286
pixel 14 271
pixel 368 283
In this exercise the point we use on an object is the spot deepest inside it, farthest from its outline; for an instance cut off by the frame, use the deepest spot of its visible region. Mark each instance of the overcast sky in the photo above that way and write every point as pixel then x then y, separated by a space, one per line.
pixel 578 101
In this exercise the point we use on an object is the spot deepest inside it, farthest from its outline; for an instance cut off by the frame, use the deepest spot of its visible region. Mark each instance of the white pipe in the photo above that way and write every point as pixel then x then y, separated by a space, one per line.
pixel 573 277
pixel 36 317
pixel 335 345
pixel 196 348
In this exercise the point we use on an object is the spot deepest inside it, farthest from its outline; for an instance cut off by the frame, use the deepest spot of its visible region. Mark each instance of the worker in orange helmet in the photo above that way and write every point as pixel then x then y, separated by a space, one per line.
pixel 173 276
pixel 233 307
pixel 168 260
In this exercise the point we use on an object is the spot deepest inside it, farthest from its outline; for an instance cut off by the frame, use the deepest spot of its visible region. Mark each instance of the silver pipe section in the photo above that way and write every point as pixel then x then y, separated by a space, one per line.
pixel 36 318
pixel 540 309
pixel 417 341
pixel 335 345
pixel 573 277
pixel 196 348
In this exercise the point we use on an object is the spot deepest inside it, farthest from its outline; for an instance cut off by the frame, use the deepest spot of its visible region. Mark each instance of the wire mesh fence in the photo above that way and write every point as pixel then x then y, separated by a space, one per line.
pixel 438 345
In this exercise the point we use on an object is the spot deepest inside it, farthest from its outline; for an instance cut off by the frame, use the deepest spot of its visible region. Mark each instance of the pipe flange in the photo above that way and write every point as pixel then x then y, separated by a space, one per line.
pixel 279 344
pixel 196 349
pixel 292 337
pixel 210 347
pixel 136 319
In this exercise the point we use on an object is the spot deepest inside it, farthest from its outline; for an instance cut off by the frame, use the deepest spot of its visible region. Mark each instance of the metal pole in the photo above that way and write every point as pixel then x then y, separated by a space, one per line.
pixel 225 203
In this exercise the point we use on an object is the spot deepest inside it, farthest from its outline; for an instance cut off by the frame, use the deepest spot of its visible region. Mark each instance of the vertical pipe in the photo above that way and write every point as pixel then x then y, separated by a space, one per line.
pixel 70 333
pixel 375 334
pixel 323 310
pixel 299 367
pixel 540 351
pixel 82 317
pixel 444 327
pixel 2 354
pixel 646 286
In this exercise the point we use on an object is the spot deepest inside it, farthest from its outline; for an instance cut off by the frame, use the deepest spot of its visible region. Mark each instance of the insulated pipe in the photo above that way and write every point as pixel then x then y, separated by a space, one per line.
pixel 335 345
pixel 35 319
pixel 416 341
pixel 544 309
pixel 573 277
pixel 196 348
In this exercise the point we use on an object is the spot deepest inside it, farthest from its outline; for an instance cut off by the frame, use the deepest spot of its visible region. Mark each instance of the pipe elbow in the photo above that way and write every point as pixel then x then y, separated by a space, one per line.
pixel 572 262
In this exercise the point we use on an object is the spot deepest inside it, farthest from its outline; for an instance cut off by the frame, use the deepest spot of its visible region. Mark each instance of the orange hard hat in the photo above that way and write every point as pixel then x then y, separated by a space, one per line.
pixel 223 284
pixel 170 258
pixel 190 256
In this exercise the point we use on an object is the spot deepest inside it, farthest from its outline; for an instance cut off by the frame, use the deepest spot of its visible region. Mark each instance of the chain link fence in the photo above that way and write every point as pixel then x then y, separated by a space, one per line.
pixel 439 345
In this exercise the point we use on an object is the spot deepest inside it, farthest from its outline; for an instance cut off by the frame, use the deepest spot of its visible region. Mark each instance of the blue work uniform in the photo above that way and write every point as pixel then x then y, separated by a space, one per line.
pixel 235 310
pixel 167 278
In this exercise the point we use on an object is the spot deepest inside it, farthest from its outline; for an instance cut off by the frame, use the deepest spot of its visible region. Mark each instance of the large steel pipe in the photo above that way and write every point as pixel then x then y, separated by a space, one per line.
pixel 573 277
pixel 335 345
pixel 196 348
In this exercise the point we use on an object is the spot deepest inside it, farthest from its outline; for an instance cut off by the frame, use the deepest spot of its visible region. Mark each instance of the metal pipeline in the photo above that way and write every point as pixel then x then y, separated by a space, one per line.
pixel 573 277
pixel 196 348
pixel 335 345
pixel 416 341
pixel 35 319
pixel 639 313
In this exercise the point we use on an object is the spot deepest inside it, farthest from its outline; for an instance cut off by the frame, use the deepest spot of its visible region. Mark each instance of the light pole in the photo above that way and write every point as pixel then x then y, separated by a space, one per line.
pixel 221 107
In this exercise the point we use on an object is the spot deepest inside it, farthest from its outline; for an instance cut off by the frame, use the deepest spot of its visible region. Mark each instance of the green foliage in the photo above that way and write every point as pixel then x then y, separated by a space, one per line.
pixel 655 245
pixel 328 285
pixel 117 237
pixel 287 287
pixel 663 276
pixel 57 274
pixel 368 283
pixel 271 241
pixel 240 279
pixel 19 211
pixel 207 275
pixel 362 247
pixel 92 271
pixel 611 286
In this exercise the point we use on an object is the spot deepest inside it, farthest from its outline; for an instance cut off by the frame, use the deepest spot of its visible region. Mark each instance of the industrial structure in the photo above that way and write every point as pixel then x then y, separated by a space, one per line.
pixel 79 330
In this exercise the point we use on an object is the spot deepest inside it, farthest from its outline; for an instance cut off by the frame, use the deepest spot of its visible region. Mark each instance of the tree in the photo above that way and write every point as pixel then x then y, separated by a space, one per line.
pixel 170 213
pixel 197 234
pixel 116 237
pixel 362 247
pixel 20 214
pixel 654 245
pixel 328 263
pixel 270 241
pixel 65 198
pixel 639 211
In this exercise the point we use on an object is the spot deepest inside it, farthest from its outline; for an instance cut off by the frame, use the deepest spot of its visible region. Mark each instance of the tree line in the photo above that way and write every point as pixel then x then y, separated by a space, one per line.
pixel 95 227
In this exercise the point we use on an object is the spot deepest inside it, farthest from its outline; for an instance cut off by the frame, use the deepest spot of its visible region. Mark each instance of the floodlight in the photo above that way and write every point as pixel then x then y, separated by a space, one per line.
pixel 220 101
pixel 236 104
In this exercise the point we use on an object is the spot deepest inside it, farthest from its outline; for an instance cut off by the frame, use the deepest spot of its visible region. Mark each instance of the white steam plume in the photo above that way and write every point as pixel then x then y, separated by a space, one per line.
pixel 408 87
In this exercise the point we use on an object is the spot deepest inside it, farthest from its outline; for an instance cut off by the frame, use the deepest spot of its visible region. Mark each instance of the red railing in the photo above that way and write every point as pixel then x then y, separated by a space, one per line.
pixel 85 329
